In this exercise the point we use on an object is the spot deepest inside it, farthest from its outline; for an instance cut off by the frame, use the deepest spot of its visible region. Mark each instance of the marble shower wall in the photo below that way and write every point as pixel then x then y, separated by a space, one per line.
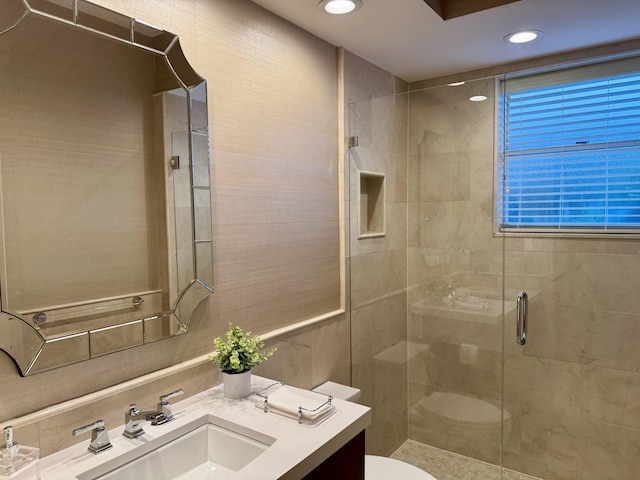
pixel 378 265
pixel 454 273
pixel 572 393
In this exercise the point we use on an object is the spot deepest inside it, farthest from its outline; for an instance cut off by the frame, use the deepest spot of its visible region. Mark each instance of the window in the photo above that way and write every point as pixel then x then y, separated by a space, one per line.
pixel 572 150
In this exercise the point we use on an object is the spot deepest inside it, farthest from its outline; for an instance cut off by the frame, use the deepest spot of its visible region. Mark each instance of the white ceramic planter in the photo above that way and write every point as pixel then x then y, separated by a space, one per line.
pixel 237 385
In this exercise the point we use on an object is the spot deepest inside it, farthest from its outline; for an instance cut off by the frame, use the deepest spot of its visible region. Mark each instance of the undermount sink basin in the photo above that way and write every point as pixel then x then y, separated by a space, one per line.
pixel 209 448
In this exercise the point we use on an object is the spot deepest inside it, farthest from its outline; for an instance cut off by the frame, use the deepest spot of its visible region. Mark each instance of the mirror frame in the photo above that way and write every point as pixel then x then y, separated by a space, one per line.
pixel 20 336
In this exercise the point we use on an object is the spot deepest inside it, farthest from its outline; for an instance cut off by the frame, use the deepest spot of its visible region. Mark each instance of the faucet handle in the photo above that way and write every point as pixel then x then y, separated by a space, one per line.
pixel 99 436
pixel 165 407
pixel 164 398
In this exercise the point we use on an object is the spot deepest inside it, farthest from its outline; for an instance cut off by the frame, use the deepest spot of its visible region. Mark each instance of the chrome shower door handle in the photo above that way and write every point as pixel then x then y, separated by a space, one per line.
pixel 522 318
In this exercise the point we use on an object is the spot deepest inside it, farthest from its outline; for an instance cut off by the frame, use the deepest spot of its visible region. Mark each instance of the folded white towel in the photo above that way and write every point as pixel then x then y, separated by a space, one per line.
pixel 288 401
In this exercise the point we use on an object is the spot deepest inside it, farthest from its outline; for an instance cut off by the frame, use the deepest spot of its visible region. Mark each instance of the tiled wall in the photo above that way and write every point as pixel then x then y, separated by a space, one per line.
pixel 455 375
pixel 572 393
pixel 378 265
pixel 574 389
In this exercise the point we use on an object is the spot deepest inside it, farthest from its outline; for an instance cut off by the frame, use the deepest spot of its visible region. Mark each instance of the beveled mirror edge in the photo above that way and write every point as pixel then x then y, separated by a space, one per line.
pixel 20 341
pixel 16 330
pixel 17 22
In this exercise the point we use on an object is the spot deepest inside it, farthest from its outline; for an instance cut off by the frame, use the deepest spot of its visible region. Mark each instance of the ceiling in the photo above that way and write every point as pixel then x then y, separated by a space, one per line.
pixel 407 38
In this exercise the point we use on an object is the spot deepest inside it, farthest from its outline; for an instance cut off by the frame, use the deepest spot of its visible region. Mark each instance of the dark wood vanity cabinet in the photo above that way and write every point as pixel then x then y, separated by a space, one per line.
pixel 345 464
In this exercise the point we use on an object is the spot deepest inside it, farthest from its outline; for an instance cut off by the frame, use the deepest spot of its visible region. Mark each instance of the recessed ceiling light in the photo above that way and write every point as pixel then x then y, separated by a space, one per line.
pixel 478 98
pixel 523 36
pixel 340 7
pixel 455 84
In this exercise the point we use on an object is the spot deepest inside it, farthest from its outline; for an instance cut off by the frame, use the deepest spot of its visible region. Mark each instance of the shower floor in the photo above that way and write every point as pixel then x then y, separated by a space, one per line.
pixel 445 465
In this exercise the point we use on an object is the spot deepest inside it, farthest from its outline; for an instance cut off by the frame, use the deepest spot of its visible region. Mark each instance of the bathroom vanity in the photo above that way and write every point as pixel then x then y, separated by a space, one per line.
pixel 258 445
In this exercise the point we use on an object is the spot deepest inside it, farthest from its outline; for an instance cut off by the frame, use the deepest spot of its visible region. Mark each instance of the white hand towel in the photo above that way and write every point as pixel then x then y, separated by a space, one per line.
pixel 288 401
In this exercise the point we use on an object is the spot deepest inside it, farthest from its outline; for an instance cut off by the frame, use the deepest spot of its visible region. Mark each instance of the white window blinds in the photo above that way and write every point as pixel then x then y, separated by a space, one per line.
pixel 572 149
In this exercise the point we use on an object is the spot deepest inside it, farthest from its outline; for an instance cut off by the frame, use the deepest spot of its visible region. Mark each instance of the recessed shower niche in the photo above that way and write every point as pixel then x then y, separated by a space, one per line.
pixel 105 189
pixel 371 204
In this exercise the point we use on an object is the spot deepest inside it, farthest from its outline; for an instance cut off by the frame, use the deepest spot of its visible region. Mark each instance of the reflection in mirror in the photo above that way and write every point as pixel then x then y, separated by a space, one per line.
pixel 13 12
pixel 104 165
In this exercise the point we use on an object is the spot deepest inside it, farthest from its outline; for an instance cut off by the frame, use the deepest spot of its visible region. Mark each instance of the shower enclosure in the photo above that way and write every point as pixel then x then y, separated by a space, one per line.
pixel 435 297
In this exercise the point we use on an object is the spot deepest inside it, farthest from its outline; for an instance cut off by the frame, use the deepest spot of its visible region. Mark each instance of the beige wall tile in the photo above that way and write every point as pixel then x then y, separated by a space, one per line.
pixel 378 265
pixel 557 446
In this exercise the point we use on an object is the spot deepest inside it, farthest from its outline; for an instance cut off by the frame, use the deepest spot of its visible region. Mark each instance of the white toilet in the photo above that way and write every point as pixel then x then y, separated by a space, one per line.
pixel 375 467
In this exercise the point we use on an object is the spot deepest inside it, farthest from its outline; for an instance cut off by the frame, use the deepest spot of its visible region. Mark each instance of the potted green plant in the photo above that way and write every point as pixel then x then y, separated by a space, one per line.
pixel 236 357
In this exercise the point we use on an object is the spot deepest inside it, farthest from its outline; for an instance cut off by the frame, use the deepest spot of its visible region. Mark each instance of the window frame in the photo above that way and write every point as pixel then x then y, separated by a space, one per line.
pixel 559 75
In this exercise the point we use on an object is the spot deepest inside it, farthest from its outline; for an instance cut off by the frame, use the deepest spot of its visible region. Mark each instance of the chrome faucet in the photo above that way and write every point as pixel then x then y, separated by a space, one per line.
pixel 133 419
pixel 165 407
pixel 99 436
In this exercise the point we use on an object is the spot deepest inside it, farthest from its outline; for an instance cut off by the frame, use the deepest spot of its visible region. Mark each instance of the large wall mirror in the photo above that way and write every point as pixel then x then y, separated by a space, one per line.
pixel 105 189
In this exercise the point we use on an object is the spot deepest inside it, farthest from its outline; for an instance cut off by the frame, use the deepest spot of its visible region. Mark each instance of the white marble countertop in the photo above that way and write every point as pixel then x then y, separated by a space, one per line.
pixel 297 449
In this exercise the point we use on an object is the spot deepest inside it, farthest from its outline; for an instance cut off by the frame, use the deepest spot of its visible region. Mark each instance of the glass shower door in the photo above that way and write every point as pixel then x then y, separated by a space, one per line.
pixel 572 390
pixel 454 282
pixel 377 176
